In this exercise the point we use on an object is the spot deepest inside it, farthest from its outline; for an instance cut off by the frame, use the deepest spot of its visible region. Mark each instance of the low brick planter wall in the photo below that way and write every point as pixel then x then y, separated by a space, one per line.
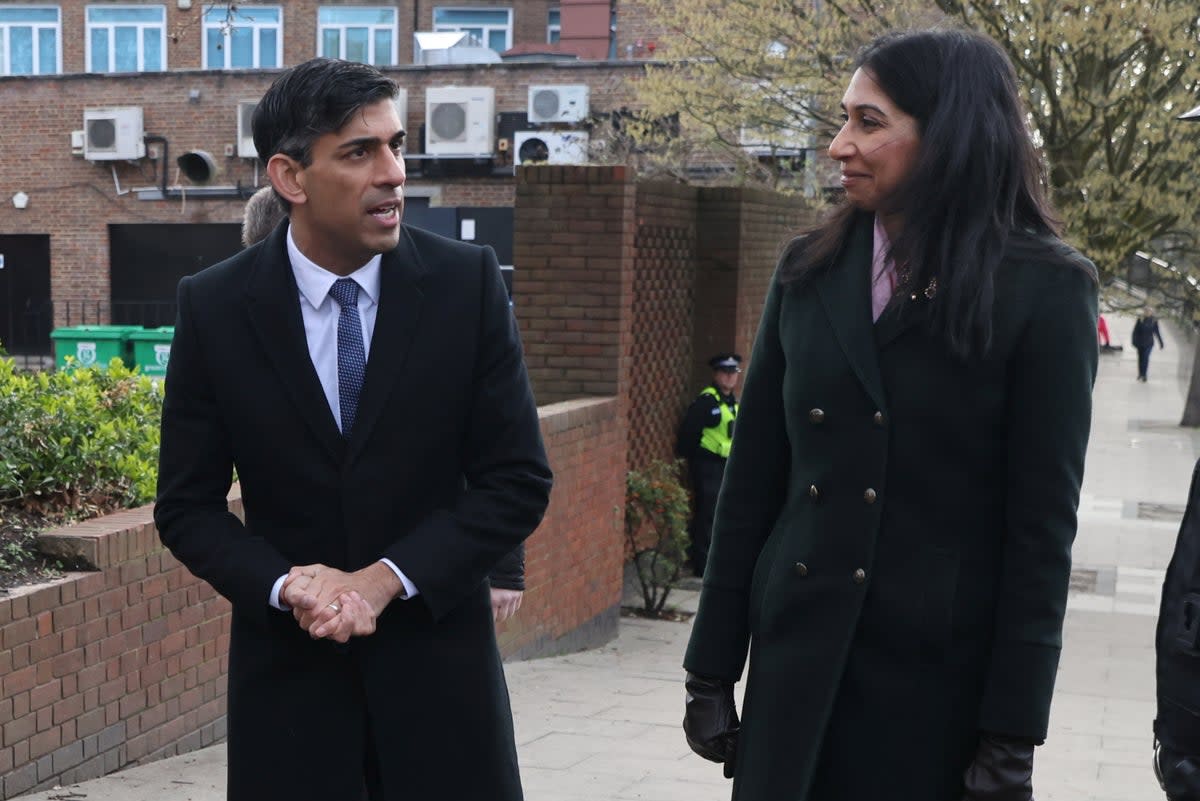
pixel 127 664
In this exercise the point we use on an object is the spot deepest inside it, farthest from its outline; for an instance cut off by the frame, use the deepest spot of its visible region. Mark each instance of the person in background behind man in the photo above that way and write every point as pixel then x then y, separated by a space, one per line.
pixel 1144 332
pixel 362 660
pixel 704 440
pixel 263 212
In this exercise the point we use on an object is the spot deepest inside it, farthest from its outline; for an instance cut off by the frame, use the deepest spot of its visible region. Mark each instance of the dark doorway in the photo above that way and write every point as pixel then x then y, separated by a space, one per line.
pixel 26 315
pixel 435 219
pixel 148 261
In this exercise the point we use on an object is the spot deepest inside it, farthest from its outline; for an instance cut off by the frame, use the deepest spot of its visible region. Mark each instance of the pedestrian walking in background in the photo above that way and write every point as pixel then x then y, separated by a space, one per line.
pixel 263 211
pixel 704 440
pixel 892 546
pixel 1145 331
pixel 362 660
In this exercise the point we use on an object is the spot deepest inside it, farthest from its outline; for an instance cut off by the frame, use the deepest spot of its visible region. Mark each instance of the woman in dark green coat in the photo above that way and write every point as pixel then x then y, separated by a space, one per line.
pixel 892 544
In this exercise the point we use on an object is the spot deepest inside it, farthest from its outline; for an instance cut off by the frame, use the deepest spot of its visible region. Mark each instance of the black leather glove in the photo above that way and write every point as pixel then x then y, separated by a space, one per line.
pixel 1178 774
pixel 710 721
pixel 1002 770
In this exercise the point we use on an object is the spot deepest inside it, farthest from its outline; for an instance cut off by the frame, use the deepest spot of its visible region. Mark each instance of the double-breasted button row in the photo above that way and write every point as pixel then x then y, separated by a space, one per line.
pixel 859 575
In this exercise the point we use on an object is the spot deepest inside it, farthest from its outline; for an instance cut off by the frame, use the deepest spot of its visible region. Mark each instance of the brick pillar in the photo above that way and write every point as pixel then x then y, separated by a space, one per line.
pixel 573 234
pixel 740 234
pixel 714 324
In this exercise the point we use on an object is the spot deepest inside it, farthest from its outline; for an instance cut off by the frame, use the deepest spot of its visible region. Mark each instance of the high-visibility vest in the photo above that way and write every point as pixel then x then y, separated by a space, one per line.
pixel 718 438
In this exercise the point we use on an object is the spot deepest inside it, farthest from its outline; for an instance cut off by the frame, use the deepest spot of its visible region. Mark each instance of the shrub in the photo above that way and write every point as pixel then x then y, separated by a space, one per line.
pixel 78 442
pixel 656 519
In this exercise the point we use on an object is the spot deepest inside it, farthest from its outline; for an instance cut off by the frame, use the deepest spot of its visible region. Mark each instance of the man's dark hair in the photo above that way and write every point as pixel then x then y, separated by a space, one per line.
pixel 977 187
pixel 311 100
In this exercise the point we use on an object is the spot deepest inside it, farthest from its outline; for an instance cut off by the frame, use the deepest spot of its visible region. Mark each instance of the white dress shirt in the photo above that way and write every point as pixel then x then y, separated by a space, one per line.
pixel 320 313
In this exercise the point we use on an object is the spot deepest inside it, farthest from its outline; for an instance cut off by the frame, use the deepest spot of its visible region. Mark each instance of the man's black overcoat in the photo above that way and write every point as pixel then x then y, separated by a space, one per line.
pixel 445 473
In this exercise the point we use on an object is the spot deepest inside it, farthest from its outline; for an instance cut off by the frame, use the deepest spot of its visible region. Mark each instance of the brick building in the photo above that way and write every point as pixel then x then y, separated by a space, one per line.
pixel 97 220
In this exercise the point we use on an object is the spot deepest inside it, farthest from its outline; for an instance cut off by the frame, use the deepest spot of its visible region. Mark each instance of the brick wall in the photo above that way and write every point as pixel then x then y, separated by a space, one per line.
pixel 106 669
pixel 636 30
pixel 127 664
pixel 573 561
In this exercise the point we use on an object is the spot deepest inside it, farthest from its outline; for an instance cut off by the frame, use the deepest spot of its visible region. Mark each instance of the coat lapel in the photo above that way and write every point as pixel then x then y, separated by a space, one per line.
pixel 845 291
pixel 273 299
pixel 400 300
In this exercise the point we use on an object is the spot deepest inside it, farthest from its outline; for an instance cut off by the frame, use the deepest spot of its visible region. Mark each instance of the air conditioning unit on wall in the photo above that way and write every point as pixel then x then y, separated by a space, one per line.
pixel 460 120
pixel 245 140
pixel 113 134
pixel 564 103
pixel 550 147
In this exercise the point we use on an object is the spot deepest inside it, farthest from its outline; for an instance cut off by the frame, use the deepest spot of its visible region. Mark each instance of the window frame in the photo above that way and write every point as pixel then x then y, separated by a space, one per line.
pixel 244 19
pixel 508 27
pixel 89 26
pixel 553 25
pixel 372 29
pixel 6 40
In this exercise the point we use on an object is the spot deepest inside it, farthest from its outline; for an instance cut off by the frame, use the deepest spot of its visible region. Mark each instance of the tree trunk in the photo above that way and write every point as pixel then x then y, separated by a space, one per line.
pixel 1191 408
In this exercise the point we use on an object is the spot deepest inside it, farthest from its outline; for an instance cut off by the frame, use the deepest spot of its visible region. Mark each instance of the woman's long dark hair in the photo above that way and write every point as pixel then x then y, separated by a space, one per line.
pixel 977 183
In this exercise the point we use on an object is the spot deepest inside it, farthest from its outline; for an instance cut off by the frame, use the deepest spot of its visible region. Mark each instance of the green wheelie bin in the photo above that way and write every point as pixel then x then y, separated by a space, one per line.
pixel 152 349
pixel 92 345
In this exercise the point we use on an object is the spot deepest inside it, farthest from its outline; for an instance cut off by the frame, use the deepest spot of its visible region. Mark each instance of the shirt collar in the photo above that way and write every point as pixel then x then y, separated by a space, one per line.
pixel 314 281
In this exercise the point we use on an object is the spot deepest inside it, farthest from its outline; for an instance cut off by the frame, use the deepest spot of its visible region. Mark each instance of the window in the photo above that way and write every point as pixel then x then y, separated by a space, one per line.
pixel 357 33
pixel 126 38
pixel 553 26
pixel 248 36
pixel 29 40
pixel 492 27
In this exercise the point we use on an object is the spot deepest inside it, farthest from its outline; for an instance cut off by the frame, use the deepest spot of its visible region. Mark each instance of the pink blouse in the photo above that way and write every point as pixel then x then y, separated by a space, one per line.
pixel 883 272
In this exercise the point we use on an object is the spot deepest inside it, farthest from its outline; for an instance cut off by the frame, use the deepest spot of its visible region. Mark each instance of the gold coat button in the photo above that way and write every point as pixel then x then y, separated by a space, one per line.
pixel 816 416
pixel 869 496
pixel 878 418
pixel 860 576
pixel 813 492
pixel 801 569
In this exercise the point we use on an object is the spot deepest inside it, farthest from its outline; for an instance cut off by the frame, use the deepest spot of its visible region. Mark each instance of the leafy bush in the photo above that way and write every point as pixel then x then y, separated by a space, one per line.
pixel 78 442
pixel 656 519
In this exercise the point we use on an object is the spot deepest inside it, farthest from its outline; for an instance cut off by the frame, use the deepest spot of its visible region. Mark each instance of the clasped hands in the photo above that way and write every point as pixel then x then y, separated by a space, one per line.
pixel 331 604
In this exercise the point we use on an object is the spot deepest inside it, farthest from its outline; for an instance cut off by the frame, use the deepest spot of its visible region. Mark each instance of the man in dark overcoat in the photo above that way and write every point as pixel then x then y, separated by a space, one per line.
pixel 363 660
pixel 893 540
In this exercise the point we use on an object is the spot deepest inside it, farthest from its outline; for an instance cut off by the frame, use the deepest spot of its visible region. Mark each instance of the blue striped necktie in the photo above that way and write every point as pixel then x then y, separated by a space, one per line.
pixel 351 355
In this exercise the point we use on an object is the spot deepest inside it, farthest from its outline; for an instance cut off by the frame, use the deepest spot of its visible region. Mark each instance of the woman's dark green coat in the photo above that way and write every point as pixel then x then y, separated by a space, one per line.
pixel 893 536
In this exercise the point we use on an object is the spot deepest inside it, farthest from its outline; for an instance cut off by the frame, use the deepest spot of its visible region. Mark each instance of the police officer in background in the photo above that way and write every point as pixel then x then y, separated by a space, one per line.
pixel 704 440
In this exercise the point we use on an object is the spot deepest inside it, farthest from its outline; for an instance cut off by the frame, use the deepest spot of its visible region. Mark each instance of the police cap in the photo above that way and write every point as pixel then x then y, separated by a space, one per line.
pixel 726 362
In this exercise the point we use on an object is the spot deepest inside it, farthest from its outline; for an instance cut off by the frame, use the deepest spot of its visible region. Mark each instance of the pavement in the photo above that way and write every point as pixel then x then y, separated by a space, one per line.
pixel 604 724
